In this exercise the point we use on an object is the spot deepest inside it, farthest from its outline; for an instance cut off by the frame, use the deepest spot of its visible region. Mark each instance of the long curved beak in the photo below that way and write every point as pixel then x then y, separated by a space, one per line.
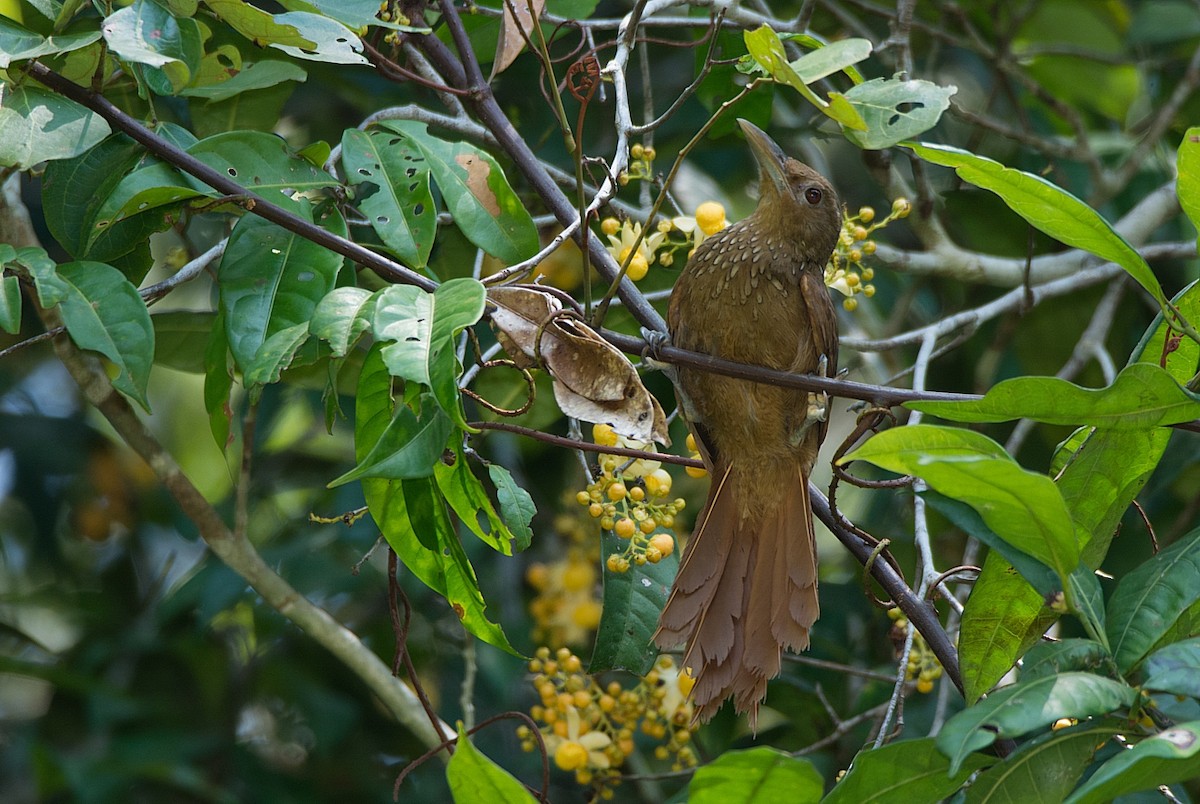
pixel 768 154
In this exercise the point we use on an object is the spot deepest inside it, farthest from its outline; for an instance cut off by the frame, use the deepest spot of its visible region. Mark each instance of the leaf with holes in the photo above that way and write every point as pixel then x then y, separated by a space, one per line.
pixel 473 777
pixel 249 77
pixel 391 180
pixel 423 327
pixel 342 317
pixel 1164 758
pixel 476 193
pixel 896 110
pixel 357 15
pixel 470 502
pixel 257 25
pixel 272 279
pixel 37 125
pixel 909 770
pixel 333 42
pixel 263 164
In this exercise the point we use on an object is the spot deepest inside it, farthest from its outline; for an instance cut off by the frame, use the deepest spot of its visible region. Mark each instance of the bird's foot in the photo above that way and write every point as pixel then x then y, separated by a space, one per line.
pixel 818 405
pixel 655 341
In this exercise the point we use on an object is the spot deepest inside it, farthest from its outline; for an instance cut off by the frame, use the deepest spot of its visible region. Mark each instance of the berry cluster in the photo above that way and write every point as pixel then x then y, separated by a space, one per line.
pixel 845 272
pixel 565 609
pixel 589 727
pixel 922 663
pixel 627 243
pixel 641 165
pixel 630 498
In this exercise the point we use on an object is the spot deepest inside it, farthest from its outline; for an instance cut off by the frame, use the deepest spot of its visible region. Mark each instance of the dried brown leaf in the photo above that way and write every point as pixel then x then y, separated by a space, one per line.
pixel 514 31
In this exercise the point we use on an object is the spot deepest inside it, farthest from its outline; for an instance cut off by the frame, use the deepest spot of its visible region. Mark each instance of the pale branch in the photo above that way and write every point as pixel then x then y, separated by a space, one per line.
pixel 236 551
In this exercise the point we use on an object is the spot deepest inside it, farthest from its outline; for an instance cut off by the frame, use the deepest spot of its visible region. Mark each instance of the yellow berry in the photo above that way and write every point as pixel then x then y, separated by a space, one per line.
pixel 617 491
pixel 610 226
pixel 596 510
pixel 698 471
pixel 606 523
pixel 570 756
pixel 852 279
pixel 623 178
pixel 649 154
pixel 868 290
pixel 658 482
pixel 664 225
pixel 856 255
pixel 691 443
pixel 663 543
pixel 537 575
pixel 625 527
pixel 572 663
pixel 583 498
pixel 710 217
pixel 638 268
pixel 637 151
pixel 869 247
pixel 924 686
pixel 653 556
pixel 666 521
pixel 613 563
pixel 604 435
pixel 648 526
pixel 587 615
pixel 866 214
pixel 901 207
pixel 860 233
pixel 578 576
pixel 850 304
pixel 637 494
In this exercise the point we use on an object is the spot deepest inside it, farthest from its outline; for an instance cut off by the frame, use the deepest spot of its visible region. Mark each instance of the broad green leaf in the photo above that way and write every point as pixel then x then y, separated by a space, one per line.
pixel 895 110
pixel 632 602
pixel 424 326
pixel 10 305
pixel 334 43
pixel 257 25
pixel 476 193
pixel 37 125
pixel 469 500
pixel 147 33
pixel 516 506
pixel 1086 600
pixel 1167 757
pixel 756 776
pixel 1040 577
pixel 475 778
pixel 1023 508
pixel 1148 600
pixel 391 177
pixel 1175 669
pixel 902 772
pixel 1026 706
pixel 255 110
pixel 263 164
pixel 272 279
pixel 767 49
pixel 18 43
pixel 1047 207
pixel 1044 769
pixel 831 58
pixel 409 448
pixel 1098 480
pixel 276 354
pixel 1051 658
pixel 412 516
pixel 103 312
pixel 218 383
pixel 342 316
pixel 1187 182
pixel 1142 396
pixel 180 339
pixel 252 76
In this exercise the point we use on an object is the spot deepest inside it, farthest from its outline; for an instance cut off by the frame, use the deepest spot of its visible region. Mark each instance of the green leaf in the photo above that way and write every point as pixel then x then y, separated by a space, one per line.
pixel 342 316
pixel 1047 207
pixel 354 14
pixel 1167 757
pixel 895 110
pixel 1086 600
pixel 1026 706
pixel 902 772
pixel 1142 396
pixel 37 125
pixel 147 33
pixel 10 305
pixel 1175 669
pixel 218 383
pixel 262 163
pixel 1187 182
pixel 767 49
pixel 392 180
pixel 276 354
pixel 412 516
pixel 477 194
pixel 257 25
pixel 632 602
pixel 103 312
pixel 424 326
pixel 409 448
pixel 475 778
pixel 252 76
pixel 516 506
pixel 271 280
pixel 1148 600
pixel 1051 658
pixel 1044 769
pixel 1023 508
pixel 334 43
pixel 469 500
pixel 18 43
pixel 756 776
pixel 830 58
pixel 180 338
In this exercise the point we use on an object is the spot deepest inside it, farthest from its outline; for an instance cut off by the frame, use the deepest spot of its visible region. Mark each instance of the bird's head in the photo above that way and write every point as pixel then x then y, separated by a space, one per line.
pixel 795 200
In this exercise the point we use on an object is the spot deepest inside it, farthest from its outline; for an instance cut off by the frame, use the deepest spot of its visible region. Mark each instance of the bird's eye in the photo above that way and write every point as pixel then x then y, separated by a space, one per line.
pixel 813 196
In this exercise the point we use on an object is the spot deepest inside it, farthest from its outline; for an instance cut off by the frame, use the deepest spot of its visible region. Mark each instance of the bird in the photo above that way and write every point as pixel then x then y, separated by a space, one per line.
pixel 754 293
